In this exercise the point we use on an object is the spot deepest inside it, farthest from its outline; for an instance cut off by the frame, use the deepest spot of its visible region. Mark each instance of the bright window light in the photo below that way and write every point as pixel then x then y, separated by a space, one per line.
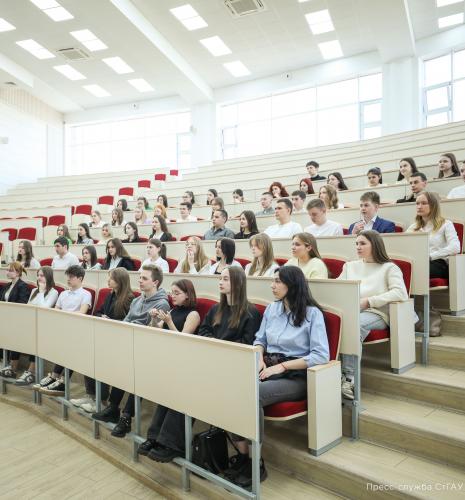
pixel 35 49
pixel 444 22
pixel 96 90
pixel 443 3
pixel 45 4
pixel 89 40
pixel 189 17
pixel 58 14
pixel 69 72
pixel 330 50
pixel 5 25
pixel 320 21
pixel 215 46
pixel 141 85
pixel 237 68
pixel 118 65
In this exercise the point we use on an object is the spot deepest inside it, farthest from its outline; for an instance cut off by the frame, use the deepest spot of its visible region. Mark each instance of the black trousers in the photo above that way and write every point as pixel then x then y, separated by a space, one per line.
pixel 439 268
pixel 115 396
pixel 167 428
pixel 14 356
pixel 60 369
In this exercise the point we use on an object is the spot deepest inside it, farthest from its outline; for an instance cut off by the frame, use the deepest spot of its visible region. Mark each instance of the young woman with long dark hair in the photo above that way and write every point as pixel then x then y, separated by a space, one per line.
pixel 117 256
pixel 26 255
pixel 407 167
pixel 225 250
pixel 448 166
pixel 84 237
pixel 132 233
pixel 156 252
pixel 160 229
pixel 247 224
pixel 335 179
pixel 89 259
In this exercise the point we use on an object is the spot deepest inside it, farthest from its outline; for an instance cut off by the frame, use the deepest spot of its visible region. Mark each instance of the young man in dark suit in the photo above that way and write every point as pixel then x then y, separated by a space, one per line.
pixel 369 204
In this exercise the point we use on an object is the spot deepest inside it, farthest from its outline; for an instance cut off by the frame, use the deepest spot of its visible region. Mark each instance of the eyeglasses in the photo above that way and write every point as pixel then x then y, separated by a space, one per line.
pixel 175 294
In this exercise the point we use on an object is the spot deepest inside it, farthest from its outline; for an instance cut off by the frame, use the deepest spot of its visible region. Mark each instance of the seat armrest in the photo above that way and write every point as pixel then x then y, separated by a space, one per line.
pixel 402 333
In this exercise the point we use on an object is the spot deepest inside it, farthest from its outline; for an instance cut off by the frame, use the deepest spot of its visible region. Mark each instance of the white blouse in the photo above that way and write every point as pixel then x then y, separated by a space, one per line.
pixel 42 301
pixel 268 273
pixel 192 270
pixel 443 242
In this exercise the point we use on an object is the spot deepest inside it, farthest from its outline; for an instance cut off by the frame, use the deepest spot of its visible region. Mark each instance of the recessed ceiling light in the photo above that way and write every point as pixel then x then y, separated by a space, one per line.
pixel 89 40
pixel 444 22
pixel 58 14
pixel 215 46
pixel 35 49
pixel 45 4
pixel 96 90
pixel 320 21
pixel 443 3
pixel 69 72
pixel 236 68
pixel 330 50
pixel 189 17
pixel 5 25
pixel 141 85
pixel 118 65
pixel 303 1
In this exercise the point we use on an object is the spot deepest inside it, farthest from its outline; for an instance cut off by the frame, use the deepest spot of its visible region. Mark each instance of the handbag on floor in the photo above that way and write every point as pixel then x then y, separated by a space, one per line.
pixel 434 322
pixel 210 450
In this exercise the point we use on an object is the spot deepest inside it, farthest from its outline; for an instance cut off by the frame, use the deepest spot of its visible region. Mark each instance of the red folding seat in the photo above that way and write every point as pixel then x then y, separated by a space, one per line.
pixel 27 233
pixel 12 232
pixel 334 266
pixel 160 177
pixel 242 262
pixel 44 219
pixel 172 264
pixel 280 261
pixel 137 263
pixel 56 220
pixel 92 292
pixel 460 229
pixel 101 296
pixel 126 191
pixel 144 183
pixel 83 209
pixel 185 238
pixel 105 200
pixel 46 262
pixel 203 306
pixel 174 173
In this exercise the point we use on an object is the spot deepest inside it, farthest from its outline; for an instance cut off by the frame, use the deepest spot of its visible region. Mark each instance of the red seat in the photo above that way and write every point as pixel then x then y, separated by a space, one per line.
pixel 203 306
pixel 105 200
pixel 436 282
pixel 172 264
pixel 126 191
pixel 460 230
pixel 56 220
pixel 101 260
pixel 260 308
pixel 287 410
pixel 27 233
pixel 101 296
pixel 83 209
pixel 12 232
pixel 144 183
pixel 243 262
pixel 399 229
pixel 334 266
pixel 160 177
pixel 59 289
pixel 46 262
pixel 185 238
pixel 345 231
pixel 44 219
pixel 1 248
pixel 377 336
pixel 406 268
pixel 31 286
pixel 92 292
pixel 137 263
pixel 174 173
pixel 280 261
pixel 143 239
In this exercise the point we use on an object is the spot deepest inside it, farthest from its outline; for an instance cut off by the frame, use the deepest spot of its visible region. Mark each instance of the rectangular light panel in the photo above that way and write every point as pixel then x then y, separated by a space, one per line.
pixel 330 50
pixel 188 16
pixel 443 3
pixel 454 19
pixel 320 21
pixel 96 90
pixel 141 85
pixel 89 40
pixel 118 65
pixel 215 46
pixel 45 4
pixel 35 49
pixel 58 14
pixel 237 68
pixel 5 25
pixel 69 72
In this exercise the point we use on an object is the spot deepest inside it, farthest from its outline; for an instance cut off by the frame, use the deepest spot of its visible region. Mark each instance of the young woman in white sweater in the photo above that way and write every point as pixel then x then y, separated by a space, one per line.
pixel 381 282
pixel 443 239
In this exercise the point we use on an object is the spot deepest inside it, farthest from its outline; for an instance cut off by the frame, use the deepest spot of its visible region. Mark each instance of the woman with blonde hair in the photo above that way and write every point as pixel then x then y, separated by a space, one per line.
pixel 328 194
pixel 195 261
pixel 443 239
pixel 140 216
pixel 107 234
pixel 263 263
pixel 160 210
pixel 306 256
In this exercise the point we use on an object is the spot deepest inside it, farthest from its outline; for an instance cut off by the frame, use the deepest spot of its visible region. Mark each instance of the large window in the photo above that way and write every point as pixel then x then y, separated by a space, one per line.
pixel 136 143
pixel 338 112
pixel 444 89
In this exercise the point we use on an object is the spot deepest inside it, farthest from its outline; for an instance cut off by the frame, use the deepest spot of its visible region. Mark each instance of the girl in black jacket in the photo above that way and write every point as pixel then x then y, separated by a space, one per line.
pixel 117 256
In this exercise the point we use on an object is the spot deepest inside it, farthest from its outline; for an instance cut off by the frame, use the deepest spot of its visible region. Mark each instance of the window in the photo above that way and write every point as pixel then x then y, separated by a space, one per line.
pixel 444 89
pixel 135 143
pixel 337 112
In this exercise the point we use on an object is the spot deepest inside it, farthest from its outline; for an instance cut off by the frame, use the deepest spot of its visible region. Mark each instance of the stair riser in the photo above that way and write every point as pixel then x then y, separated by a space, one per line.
pixel 446 357
pixel 453 326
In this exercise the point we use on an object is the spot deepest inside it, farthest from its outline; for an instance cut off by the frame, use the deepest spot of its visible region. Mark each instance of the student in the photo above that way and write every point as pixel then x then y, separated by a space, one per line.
pixel 216 204
pixel 89 259
pixel 305 255
pixel 17 291
pixel 443 239
pixel 122 205
pixel 329 196
pixel 162 199
pixel 26 256
pixel 84 235
pixel 407 167
pixel 234 319
pixel 247 224
pixel 143 203
pixel 335 179
pixel 160 210
pixel 211 193
pixel 418 183
pixel 298 201
pixel 107 234
pixel 312 169
pixel 63 258
pixel 189 196
pixel 263 263
pixel 132 233
pixel 266 201
pixel 285 227
pixel 292 337
pixel 278 190
pixel 185 209
pixel 160 229
pixel 448 166
pixel 375 177
pixel 225 249
pixel 140 216
pixel 238 196
pixel 75 299
pixel 459 191
pixel 321 225
pixel 115 307
pixel 63 231
pixel 381 282
pixel 306 186
pixel 219 229
pixel 156 251
pixel 96 219
pixel 117 256
pixel 152 297
pixel 195 261
pixel 369 204
pixel 117 217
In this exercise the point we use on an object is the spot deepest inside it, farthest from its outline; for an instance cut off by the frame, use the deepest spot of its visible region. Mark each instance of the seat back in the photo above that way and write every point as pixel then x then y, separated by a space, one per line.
pixel 334 266
pixel 101 296
pixel 204 304
pixel 172 264
pixel 12 233
pixel 174 173
pixel 44 219
pixel 105 200
pixel 280 261
pixel 459 227
pixel 187 236
pixel 92 292
pixel 399 228
pixel 144 183
pixel 137 263
pixel 46 262
pixel 243 262
pixel 160 177
pixel 126 191
pixel 27 233
pixel 56 220
pixel 83 209
pixel 406 268
pixel 333 323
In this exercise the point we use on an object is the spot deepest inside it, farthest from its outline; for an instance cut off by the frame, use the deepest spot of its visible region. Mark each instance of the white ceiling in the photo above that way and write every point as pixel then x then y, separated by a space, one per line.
pixel 173 61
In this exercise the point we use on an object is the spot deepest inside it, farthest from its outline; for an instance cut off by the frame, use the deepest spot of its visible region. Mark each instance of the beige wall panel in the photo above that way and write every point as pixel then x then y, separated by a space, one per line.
pixel 18 327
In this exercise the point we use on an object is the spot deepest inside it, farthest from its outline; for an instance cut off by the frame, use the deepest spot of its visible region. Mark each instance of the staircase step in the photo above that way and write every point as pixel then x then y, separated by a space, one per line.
pixel 453 325
pixel 446 350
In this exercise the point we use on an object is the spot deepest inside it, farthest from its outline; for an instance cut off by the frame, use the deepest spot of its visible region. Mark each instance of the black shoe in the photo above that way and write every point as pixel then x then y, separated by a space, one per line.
pixel 244 480
pixel 122 427
pixel 56 388
pixel 164 454
pixel 108 414
pixel 237 463
pixel 146 447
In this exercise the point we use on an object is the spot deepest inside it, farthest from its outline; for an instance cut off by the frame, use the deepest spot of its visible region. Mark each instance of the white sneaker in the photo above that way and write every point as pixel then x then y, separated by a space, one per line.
pixel 81 401
pixel 89 407
pixel 347 388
